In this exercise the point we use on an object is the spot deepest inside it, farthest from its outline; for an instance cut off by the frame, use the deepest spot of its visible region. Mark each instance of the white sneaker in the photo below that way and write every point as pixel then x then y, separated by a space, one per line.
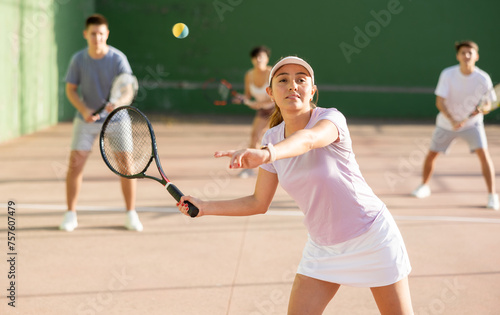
pixel 69 222
pixel 132 222
pixel 422 191
pixel 493 202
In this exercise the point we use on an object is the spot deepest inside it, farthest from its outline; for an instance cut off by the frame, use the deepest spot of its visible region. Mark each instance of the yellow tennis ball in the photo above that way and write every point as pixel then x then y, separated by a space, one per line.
pixel 180 30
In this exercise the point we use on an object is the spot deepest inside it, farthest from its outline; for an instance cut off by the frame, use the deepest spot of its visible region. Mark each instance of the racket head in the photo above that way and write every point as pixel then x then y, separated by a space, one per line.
pixel 496 103
pixel 127 142
pixel 128 146
pixel 123 89
pixel 218 92
pixel 491 97
pixel 122 93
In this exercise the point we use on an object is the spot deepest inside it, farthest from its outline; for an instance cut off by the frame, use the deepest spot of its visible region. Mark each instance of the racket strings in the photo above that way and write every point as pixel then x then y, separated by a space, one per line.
pixel 491 98
pixel 127 143
pixel 218 92
pixel 223 91
pixel 124 84
pixel 497 93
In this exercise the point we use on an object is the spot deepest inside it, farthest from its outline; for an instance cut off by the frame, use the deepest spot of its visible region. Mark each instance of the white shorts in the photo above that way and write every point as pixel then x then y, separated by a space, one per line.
pixel 84 134
pixel 374 259
pixel 475 136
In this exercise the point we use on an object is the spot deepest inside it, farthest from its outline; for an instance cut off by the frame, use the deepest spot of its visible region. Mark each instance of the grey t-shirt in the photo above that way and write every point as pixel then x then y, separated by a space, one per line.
pixel 95 76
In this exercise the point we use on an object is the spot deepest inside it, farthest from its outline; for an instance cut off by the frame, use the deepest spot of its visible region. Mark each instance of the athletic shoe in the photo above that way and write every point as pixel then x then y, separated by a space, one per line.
pixel 69 222
pixel 422 191
pixel 246 173
pixel 132 222
pixel 493 202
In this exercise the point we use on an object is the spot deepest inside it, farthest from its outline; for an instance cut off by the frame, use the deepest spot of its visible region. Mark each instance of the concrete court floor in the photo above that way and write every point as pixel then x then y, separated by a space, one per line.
pixel 219 265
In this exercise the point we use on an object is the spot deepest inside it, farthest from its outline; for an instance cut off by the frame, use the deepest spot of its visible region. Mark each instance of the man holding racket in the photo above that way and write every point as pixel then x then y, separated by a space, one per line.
pixel 459 91
pixel 91 71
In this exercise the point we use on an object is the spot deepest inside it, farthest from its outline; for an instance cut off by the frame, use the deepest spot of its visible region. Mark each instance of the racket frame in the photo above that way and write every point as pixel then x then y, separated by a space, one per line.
pixel 171 188
pixel 215 83
pixel 135 88
pixel 494 104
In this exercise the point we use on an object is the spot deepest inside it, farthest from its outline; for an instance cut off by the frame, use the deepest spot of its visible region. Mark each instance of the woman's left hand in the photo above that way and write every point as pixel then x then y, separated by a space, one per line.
pixel 245 158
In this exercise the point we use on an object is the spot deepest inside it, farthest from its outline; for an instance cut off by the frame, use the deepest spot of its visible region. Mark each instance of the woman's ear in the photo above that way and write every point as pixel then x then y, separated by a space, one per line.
pixel 270 92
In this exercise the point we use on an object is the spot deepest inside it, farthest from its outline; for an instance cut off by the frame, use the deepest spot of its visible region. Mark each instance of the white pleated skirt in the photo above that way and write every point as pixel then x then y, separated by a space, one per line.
pixel 374 259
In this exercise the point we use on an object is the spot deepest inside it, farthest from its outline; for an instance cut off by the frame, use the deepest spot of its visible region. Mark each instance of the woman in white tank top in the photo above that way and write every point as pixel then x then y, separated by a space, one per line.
pixel 256 97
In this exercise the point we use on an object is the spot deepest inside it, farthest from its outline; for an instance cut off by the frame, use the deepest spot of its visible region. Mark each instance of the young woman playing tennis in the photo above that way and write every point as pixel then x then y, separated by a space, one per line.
pixel 353 239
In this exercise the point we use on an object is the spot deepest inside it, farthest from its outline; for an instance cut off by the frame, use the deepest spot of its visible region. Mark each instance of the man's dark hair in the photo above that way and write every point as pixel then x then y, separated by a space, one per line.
pixel 466 43
pixel 96 19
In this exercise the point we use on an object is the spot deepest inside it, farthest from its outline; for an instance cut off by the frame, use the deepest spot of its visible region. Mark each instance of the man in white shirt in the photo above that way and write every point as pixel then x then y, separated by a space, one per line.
pixel 460 88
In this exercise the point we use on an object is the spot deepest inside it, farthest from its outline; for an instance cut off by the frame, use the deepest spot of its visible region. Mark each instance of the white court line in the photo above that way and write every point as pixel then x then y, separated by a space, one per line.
pixel 405 217
pixel 96 208
pixel 288 213
pixel 448 219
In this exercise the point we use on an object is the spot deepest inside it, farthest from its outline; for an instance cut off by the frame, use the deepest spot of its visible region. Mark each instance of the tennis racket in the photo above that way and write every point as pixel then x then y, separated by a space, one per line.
pixel 487 98
pixel 128 146
pixel 123 91
pixel 219 92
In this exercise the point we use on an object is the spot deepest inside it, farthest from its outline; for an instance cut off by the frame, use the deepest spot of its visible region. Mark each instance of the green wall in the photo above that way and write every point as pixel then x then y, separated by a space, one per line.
pixel 35 35
pixel 68 30
pixel 372 58
pixel 29 78
pixel 9 79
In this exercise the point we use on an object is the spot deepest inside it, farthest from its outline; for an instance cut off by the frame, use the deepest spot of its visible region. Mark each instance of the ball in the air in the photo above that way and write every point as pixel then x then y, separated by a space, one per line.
pixel 180 30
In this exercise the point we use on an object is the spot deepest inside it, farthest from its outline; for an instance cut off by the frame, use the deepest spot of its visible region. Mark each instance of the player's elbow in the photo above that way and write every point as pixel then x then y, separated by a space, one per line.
pixel 71 90
pixel 306 139
pixel 260 206
pixel 261 210
pixel 311 140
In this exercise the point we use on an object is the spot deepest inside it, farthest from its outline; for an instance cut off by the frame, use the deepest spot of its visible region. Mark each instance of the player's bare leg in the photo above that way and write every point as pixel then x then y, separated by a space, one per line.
pixel 129 188
pixel 259 127
pixel 310 296
pixel 129 191
pixel 423 190
pixel 487 169
pixel 74 177
pixel 394 299
pixel 428 169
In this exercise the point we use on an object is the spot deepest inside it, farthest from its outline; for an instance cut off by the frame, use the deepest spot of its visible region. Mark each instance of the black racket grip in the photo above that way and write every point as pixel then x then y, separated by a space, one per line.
pixel 99 110
pixel 176 193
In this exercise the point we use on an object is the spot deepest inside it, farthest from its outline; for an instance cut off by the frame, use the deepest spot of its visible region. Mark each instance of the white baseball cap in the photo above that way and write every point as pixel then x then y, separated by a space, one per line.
pixel 291 60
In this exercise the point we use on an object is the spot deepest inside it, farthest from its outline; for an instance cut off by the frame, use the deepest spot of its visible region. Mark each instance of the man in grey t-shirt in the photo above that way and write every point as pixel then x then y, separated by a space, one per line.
pixel 88 81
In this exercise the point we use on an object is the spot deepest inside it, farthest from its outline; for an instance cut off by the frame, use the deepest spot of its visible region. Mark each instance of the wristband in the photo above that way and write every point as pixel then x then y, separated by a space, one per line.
pixel 272 152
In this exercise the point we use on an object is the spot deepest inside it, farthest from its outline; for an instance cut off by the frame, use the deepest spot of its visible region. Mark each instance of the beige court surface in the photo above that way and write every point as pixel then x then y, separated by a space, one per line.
pixel 244 265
